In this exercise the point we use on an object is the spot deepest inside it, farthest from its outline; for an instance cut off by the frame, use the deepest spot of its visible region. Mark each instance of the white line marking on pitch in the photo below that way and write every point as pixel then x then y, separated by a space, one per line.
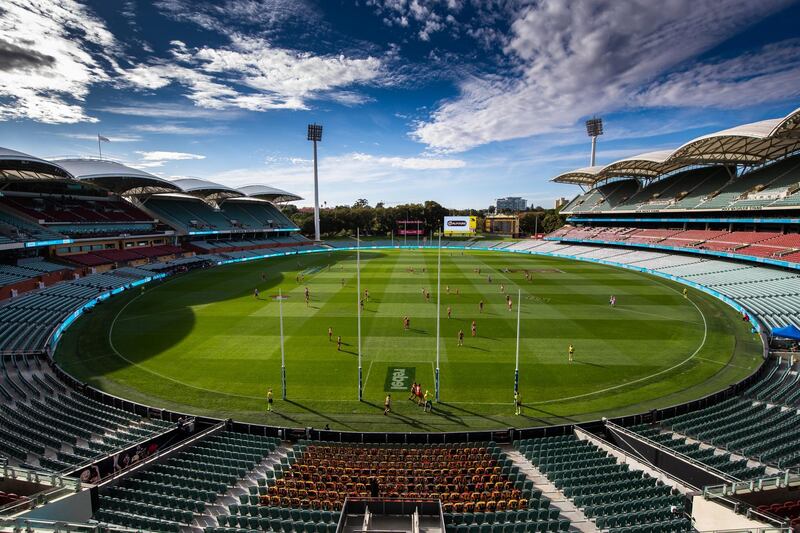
pixel 369 369
pixel 162 376
pixel 703 343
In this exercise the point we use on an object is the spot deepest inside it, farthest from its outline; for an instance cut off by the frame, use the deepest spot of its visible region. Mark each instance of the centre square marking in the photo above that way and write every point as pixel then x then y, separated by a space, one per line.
pixel 399 378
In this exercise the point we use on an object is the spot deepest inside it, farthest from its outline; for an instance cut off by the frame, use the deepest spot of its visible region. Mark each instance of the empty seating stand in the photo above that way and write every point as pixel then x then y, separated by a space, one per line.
pixel 171 493
pixel 43 423
pixel 479 488
pixel 615 497
pixel 755 424
pixel 26 322
pixel 708 456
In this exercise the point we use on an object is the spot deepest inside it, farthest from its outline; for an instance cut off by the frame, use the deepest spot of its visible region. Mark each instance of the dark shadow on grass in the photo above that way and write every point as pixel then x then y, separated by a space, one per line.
pixel 438 410
pixel 588 363
pixel 478 349
pixel 407 420
pixel 553 416
pixel 321 415
pixel 473 413
pixel 283 415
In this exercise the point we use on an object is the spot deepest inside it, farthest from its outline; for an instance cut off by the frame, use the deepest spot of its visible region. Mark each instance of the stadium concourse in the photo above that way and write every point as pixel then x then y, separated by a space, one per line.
pixel 76 232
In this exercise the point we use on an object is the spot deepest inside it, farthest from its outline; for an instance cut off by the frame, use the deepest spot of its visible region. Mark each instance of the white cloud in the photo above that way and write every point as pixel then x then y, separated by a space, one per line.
pixel 770 73
pixel 252 74
pixel 576 59
pixel 168 156
pixel 112 138
pixel 179 129
pixel 164 110
pixel 342 171
pixel 411 163
pixel 58 49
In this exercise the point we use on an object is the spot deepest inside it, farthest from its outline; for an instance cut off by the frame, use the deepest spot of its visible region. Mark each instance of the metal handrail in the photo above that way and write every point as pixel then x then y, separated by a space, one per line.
pixel 664 449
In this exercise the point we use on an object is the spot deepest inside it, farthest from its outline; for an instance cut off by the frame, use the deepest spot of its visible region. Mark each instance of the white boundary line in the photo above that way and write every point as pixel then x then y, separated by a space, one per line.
pixel 645 378
pixel 555 400
pixel 153 372
pixel 369 369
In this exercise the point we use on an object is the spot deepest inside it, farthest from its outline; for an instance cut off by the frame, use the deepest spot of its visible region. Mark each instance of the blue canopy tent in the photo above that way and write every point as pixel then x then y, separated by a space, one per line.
pixel 789 332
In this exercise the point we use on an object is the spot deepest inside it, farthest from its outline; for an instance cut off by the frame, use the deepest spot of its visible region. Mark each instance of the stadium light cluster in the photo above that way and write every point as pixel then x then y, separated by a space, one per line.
pixel 594 127
pixel 315 132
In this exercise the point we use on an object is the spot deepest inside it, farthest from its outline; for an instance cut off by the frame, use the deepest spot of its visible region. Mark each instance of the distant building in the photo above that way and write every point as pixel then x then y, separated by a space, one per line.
pixel 512 203
pixel 561 202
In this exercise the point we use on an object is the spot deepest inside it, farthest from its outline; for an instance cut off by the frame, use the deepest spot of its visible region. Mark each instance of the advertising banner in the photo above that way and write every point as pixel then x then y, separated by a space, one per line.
pixel 460 225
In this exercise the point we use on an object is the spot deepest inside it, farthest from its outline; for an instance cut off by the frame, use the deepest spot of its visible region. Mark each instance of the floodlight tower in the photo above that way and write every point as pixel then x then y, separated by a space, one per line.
pixel 594 127
pixel 315 136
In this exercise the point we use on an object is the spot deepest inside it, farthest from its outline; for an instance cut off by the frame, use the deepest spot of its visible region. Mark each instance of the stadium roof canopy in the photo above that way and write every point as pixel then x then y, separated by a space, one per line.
pixel 648 165
pixel 748 144
pixel 207 190
pixel 581 176
pixel 19 166
pixel 265 192
pixel 116 177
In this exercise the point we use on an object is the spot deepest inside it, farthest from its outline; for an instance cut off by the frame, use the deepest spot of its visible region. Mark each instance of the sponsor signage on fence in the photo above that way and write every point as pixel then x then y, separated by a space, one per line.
pixel 460 225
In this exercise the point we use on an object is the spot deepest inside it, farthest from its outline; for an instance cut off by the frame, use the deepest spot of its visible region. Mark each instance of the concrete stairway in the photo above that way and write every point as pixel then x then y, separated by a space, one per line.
pixel 578 521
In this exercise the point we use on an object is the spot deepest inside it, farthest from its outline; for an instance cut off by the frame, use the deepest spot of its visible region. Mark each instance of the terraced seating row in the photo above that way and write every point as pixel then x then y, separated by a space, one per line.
pixel 276 525
pixel 27 321
pixel 175 490
pixel 531 519
pixel 769 433
pixel 41 421
pixel 625 498
pixel 137 522
pixel 711 188
pixel 272 518
pixel 466 479
pixel 27 270
pixel 722 462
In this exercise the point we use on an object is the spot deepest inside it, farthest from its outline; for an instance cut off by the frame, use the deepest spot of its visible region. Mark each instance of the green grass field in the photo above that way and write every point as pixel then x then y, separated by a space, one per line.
pixel 202 343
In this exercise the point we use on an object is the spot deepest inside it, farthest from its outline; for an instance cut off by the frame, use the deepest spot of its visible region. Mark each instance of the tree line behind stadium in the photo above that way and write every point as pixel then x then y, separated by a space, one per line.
pixel 381 220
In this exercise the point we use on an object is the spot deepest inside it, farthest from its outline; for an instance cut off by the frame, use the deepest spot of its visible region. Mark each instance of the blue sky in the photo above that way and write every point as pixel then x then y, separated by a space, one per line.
pixel 458 101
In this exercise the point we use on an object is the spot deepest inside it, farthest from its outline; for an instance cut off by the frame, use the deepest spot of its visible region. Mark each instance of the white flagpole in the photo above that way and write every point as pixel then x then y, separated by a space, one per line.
pixel 99 149
pixel 438 310
pixel 516 366
pixel 358 304
pixel 283 354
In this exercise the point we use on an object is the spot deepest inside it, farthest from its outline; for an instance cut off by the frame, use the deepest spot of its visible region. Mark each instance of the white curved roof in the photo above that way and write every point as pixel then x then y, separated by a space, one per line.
pixel 753 143
pixel 267 192
pixel 748 143
pixel 21 162
pixel 208 190
pixel 197 184
pixel 790 126
pixel 647 165
pixel 116 177
pixel 580 176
